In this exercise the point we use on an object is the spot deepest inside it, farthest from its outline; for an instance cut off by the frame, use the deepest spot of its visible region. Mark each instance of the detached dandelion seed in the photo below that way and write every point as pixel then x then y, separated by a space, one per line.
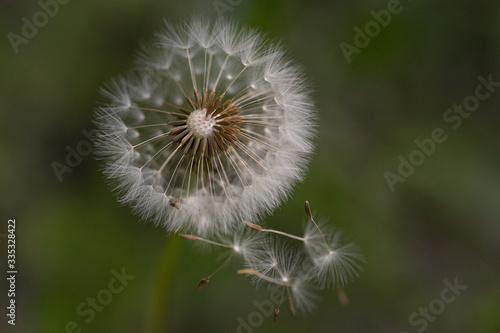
pixel 331 262
pixel 277 264
pixel 215 127
pixel 242 243
pixel 335 263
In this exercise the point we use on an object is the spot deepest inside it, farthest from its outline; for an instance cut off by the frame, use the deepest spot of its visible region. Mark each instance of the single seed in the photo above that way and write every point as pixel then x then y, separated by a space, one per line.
pixel 290 304
pixel 342 296
pixel 254 226
pixel 201 284
pixel 246 271
pixel 308 210
pixel 276 314
pixel 190 237
pixel 174 202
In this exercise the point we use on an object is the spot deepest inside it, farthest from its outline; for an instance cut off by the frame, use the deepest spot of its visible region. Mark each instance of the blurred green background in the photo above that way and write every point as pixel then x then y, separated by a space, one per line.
pixel 441 223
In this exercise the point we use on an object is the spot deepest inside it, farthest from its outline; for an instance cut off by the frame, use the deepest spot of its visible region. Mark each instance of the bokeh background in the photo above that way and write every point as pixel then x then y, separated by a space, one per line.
pixel 441 223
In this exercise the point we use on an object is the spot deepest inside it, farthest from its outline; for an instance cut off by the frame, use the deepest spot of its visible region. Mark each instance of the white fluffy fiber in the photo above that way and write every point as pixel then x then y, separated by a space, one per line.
pixel 250 180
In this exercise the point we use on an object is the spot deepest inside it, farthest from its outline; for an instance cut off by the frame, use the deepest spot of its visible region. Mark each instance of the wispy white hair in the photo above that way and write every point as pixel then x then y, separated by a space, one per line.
pixel 164 180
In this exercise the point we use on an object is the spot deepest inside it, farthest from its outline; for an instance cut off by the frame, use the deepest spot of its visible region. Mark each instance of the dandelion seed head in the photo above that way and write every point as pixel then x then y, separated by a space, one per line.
pixel 215 119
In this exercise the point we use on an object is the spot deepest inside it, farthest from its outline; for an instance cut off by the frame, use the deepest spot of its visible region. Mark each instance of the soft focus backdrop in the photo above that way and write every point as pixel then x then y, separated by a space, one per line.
pixel 441 223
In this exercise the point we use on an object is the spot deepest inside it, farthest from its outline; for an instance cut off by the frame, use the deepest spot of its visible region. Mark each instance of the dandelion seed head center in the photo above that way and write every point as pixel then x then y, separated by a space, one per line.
pixel 200 124
pixel 212 127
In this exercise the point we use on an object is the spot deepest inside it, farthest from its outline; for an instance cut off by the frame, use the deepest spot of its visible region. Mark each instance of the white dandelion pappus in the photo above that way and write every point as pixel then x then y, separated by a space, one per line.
pixel 215 127
pixel 274 261
pixel 277 264
pixel 335 263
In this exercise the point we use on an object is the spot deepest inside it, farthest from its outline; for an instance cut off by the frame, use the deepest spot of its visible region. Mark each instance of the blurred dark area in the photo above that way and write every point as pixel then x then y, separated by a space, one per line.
pixel 424 219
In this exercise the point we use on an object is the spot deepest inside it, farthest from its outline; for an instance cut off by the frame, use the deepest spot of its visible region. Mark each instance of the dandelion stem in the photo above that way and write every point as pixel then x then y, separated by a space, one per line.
pixel 277 311
pixel 302 239
pixel 176 114
pixel 193 79
pixel 309 214
pixel 237 76
pixel 220 267
pixel 259 228
pixel 249 271
pixel 290 302
pixel 204 281
pixel 220 73
pixel 192 237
